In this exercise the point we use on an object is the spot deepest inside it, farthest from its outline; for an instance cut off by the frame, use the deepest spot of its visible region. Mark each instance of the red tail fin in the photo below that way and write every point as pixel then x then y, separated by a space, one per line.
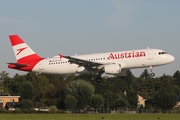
pixel 25 56
pixel 21 50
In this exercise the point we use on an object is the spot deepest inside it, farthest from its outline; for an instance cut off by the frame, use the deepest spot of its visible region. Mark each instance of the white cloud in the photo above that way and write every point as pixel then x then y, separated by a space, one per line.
pixel 125 12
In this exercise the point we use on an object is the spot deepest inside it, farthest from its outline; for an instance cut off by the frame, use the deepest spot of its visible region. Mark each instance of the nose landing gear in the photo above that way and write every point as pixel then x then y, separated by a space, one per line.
pixel 151 69
pixel 153 74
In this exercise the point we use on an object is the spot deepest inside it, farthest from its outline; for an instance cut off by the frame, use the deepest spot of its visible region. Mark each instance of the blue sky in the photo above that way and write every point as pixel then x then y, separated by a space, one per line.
pixel 51 27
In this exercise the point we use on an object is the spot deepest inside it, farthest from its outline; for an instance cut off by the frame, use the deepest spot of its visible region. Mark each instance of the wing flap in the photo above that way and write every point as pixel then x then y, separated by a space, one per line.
pixel 89 65
pixel 81 62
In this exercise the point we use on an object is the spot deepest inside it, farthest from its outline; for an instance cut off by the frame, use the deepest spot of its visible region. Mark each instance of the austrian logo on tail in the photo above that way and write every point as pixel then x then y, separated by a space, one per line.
pixel 20 50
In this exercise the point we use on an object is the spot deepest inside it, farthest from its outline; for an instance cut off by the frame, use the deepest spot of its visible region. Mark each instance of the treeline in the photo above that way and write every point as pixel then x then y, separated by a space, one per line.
pixel 80 92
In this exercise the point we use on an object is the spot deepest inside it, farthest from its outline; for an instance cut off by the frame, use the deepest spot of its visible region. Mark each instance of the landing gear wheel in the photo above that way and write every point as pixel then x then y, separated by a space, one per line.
pixel 152 74
pixel 98 79
pixel 92 78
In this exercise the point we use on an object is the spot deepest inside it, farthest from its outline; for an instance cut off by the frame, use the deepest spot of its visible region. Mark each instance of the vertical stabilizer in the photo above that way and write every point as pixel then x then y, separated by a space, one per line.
pixel 22 51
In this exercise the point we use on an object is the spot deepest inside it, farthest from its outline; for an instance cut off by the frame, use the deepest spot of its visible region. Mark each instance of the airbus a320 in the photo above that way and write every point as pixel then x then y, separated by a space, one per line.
pixel 113 63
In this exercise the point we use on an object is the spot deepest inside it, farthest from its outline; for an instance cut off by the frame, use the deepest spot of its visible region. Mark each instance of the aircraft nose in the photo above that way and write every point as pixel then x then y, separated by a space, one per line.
pixel 171 58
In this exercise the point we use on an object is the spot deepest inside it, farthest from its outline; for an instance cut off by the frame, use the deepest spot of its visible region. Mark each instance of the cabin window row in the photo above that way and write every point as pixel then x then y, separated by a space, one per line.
pixel 96 59
pixel 53 63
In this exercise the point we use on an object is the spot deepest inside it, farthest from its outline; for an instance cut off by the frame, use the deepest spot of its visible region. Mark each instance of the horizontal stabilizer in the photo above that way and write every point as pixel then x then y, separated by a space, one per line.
pixel 17 65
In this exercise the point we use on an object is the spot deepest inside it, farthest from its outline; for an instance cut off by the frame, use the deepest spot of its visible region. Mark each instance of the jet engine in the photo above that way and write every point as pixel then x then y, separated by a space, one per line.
pixel 80 69
pixel 112 69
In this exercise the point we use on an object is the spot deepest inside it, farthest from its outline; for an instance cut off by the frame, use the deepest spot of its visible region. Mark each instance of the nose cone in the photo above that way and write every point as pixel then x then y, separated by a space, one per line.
pixel 171 58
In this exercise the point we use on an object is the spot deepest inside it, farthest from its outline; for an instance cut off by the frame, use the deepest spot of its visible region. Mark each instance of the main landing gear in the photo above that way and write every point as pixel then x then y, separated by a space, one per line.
pixel 151 69
pixel 96 77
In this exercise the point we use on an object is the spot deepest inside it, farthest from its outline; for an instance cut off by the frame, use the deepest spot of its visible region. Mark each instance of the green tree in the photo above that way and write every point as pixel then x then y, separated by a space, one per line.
pixel 166 99
pixel 176 90
pixel 121 102
pixel 118 84
pixel 101 87
pixel 56 94
pixel 14 84
pixel 97 101
pixel 4 76
pixel 70 102
pixel 176 78
pixel 145 74
pixel 110 99
pixel 3 89
pixel 82 91
pixel 129 78
pixel 166 96
pixel 42 87
pixel 26 104
pixel 166 81
pixel 27 90
pixel 132 98
pixel 53 110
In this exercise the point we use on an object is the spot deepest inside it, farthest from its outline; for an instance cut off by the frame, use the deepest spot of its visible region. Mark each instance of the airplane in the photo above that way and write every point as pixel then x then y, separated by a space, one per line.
pixel 113 63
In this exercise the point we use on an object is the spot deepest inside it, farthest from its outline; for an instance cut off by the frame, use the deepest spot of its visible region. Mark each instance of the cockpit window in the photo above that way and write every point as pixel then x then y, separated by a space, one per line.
pixel 161 53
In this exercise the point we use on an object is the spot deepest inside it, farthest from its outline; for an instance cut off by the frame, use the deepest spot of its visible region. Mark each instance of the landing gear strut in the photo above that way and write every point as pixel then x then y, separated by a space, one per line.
pixel 151 69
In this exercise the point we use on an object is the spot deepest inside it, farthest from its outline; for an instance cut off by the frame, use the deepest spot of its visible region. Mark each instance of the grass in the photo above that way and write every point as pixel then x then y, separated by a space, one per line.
pixel 89 116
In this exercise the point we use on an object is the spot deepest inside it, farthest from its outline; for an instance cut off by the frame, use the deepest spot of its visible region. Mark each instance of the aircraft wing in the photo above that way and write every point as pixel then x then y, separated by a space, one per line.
pixel 85 63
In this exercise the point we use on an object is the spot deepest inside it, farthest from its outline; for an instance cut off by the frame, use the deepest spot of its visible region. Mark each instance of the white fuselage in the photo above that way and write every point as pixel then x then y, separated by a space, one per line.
pixel 127 59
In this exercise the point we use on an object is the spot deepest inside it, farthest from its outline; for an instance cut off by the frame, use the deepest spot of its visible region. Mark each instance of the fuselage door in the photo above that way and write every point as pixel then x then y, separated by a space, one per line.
pixel 41 65
pixel 150 54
